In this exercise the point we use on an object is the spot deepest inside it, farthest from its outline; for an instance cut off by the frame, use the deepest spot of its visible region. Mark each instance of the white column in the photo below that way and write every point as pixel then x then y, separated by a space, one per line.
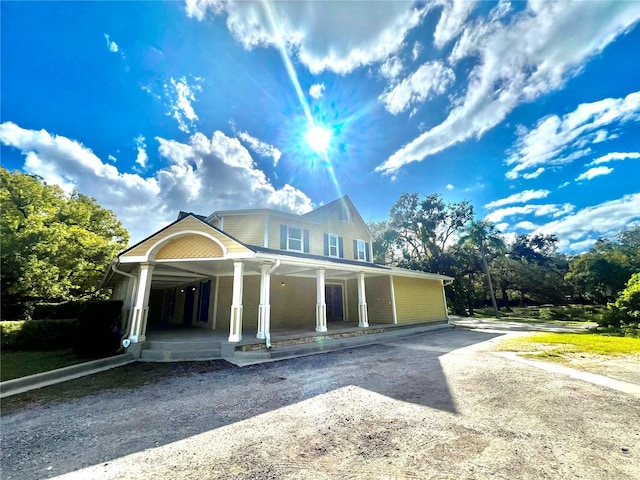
pixel 141 306
pixel 393 299
pixel 363 318
pixel 321 306
pixel 235 322
pixel 264 309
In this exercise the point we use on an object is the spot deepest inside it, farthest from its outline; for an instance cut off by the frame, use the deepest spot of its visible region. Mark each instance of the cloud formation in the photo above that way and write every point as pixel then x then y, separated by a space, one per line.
pixel 261 148
pixel 594 172
pixel 554 210
pixel 553 138
pixel 323 35
pixel 141 157
pixel 111 45
pixel 522 197
pixel 518 57
pixel 316 91
pixel 203 175
pixel 180 96
pixel 610 157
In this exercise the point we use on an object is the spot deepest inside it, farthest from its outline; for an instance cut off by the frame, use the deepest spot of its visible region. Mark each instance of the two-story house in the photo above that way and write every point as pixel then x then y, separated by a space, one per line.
pixel 264 269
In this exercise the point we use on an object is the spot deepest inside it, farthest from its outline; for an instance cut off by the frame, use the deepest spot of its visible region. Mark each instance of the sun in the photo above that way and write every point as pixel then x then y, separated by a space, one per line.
pixel 318 138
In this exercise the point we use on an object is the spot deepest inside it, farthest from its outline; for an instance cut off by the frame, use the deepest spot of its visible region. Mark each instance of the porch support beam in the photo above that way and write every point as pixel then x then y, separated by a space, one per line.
pixel 321 305
pixel 393 300
pixel 235 322
pixel 363 317
pixel 141 307
pixel 264 309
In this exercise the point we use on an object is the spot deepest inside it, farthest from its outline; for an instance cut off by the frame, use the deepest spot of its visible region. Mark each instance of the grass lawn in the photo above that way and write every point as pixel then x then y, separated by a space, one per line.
pixel 20 363
pixel 557 345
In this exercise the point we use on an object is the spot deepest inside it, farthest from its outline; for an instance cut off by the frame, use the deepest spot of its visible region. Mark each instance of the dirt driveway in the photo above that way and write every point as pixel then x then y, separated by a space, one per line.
pixel 435 406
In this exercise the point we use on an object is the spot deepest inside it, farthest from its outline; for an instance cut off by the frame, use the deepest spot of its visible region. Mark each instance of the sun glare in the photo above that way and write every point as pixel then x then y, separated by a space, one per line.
pixel 318 139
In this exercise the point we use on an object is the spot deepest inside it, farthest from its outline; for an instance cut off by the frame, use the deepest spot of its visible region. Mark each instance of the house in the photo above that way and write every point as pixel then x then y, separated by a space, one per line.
pixel 254 270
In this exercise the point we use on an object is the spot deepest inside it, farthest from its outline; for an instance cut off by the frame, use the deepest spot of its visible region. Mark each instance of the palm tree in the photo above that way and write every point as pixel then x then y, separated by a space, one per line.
pixel 483 237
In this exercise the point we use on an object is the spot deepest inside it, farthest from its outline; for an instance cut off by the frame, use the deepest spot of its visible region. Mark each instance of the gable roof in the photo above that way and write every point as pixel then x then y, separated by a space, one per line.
pixel 321 213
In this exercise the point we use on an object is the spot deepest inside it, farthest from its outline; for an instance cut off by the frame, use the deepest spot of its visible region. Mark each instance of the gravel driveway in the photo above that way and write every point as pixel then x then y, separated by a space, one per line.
pixel 439 405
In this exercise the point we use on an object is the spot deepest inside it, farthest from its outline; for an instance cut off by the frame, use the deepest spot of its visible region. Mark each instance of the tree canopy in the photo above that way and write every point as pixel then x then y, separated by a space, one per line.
pixel 54 246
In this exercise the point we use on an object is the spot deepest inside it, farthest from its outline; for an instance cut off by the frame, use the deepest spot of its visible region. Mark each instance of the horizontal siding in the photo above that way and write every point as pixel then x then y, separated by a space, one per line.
pixel 190 246
pixel 378 293
pixel 189 223
pixel 418 300
pixel 248 229
pixel 352 300
pixel 293 304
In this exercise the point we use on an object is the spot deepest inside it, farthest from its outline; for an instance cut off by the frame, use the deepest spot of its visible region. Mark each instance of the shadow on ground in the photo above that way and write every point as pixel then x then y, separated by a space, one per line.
pixel 157 404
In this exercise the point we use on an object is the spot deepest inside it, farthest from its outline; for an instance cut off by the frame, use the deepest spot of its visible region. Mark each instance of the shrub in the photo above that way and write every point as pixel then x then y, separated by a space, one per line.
pixel 98 333
pixel 623 315
pixel 38 335
pixel 57 310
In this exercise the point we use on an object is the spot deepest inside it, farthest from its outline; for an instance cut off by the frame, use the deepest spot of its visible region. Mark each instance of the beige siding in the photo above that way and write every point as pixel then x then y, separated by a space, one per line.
pixel 293 304
pixel 418 300
pixel 223 313
pixel 190 246
pixel 188 223
pixel 378 292
pixel 352 300
pixel 250 302
pixel 248 229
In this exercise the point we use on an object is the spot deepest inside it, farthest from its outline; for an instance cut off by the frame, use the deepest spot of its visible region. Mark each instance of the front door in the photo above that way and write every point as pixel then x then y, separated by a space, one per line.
pixel 333 297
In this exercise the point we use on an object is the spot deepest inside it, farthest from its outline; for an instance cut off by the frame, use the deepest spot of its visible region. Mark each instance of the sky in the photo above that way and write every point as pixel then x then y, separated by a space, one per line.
pixel 530 110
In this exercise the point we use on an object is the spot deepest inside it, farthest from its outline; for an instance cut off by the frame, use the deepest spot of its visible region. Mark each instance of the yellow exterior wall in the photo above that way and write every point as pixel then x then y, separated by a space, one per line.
pixel 225 291
pixel 190 246
pixel 378 292
pixel 293 304
pixel 418 300
pixel 352 300
pixel 188 223
pixel 248 229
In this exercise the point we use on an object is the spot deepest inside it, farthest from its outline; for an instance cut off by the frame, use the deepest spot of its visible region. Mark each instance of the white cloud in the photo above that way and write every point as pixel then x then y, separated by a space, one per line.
pixel 391 68
pixel 449 186
pixel 317 90
pixel 520 57
pixel 452 20
pixel 605 219
pixel 609 157
pixel 582 245
pixel 536 174
pixel 536 210
pixel 112 158
pixel 206 174
pixel 261 148
pixel 431 78
pixel 549 142
pixel 526 225
pixel 415 51
pixel 111 45
pixel 180 96
pixel 141 157
pixel 522 197
pixel 336 36
pixel 565 184
pixel 502 226
pixel 594 172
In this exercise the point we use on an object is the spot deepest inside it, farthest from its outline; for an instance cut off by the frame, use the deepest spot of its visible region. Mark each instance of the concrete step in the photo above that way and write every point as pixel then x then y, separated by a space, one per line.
pixel 179 355
pixel 188 345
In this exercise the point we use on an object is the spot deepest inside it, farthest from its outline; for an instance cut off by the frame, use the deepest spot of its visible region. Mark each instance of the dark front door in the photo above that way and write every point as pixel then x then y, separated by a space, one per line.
pixel 189 295
pixel 333 297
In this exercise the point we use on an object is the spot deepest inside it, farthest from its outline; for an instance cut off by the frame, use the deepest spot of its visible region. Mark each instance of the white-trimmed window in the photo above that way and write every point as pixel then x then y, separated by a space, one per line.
pixel 343 213
pixel 333 243
pixel 361 250
pixel 294 239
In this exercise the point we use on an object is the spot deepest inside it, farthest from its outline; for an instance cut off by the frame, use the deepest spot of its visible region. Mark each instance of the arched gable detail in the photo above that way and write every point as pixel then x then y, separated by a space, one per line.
pixel 159 246
pixel 189 246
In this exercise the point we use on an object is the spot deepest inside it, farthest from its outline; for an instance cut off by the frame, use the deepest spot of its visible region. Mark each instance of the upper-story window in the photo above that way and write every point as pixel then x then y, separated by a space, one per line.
pixel 343 213
pixel 361 250
pixel 294 239
pixel 333 245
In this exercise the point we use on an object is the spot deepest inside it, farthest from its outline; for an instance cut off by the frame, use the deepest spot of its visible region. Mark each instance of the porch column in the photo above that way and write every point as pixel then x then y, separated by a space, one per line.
pixel 141 306
pixel 321 306
pixel 235 322
pixel 264 309
pixel 393 299
pixel 363 318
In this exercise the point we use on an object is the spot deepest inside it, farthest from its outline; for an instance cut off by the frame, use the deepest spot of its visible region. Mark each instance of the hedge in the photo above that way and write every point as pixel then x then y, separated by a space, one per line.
pixel 38 335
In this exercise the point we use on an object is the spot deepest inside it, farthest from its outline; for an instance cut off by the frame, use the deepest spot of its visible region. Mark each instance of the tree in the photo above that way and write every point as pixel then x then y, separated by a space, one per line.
pixel 624 314
pixel 484 238
pixel 54 246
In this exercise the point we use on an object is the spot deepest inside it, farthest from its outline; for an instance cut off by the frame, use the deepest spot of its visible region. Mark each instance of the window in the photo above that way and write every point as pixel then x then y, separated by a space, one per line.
pixel 294 239
pixel 333 245
pixel 360 250
pixel 343 213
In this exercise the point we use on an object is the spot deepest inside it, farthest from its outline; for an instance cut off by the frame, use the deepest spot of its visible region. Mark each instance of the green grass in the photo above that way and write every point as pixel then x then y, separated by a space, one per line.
pixel 550 345
pixel 20 363
pixel 547 313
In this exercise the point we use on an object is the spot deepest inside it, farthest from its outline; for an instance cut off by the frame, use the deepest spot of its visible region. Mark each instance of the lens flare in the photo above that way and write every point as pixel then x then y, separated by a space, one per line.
pixel 318 138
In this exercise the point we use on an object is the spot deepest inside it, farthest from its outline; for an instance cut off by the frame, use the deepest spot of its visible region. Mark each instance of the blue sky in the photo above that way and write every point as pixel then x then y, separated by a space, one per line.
pixel 529 110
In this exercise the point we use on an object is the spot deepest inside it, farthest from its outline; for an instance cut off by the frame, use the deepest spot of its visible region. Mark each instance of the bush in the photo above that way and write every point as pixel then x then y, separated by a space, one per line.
pixel 57 310
pixel 98 333
pixel 38 335
pixel 623 316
